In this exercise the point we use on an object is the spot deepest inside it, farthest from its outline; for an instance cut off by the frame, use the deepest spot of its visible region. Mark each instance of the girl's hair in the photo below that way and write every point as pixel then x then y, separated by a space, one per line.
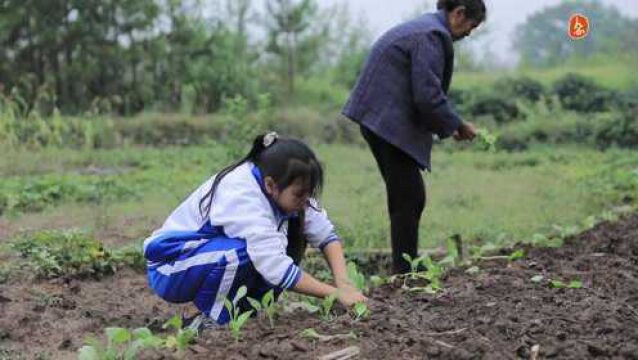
pixel 474 9
pixel 283 159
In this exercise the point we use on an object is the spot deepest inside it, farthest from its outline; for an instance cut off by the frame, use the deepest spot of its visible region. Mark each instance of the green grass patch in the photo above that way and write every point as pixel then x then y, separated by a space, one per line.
pixel 494 197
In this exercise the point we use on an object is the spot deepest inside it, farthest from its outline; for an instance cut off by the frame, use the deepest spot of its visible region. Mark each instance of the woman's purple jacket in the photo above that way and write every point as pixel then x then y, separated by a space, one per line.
pixel 401 92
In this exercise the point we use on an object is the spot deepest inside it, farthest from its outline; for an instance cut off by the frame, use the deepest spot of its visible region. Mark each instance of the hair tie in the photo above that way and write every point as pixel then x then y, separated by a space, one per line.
pixel 270 138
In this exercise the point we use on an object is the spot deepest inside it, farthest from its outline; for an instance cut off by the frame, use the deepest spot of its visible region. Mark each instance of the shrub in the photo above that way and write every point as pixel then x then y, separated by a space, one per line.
pixel 579 93
pixel 523 88
pixel 502 109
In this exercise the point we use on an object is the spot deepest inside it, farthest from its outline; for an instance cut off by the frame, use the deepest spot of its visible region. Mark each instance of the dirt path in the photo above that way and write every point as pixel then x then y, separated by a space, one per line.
pixel 498 313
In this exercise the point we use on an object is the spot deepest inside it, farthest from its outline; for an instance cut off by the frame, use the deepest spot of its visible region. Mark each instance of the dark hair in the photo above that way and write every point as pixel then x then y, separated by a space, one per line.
pixel 474 9
pixel 283 159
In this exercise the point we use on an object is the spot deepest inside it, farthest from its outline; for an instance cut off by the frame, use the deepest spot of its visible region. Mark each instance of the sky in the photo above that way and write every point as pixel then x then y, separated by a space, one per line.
pixel 503 17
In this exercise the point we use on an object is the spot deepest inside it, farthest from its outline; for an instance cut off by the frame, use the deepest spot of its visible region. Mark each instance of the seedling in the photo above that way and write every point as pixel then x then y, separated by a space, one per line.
pixel 182 337
pixel 377 280
pixel 433 274
pixel 323 306
pixel 486 140
pixel 516 255
pixel 121 344
pixel 326 306
pixel 452 253
pixel 414 265
pixel 360 310
pixel 237 319
pixel 267 304
pixel 557 284
pixel 357 278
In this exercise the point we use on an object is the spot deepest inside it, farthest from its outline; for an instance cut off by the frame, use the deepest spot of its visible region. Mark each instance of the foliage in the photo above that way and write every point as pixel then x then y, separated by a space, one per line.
pixel 546 30
pixel 35 195
pixel 357 278
pixel 579 93
pixel 182 338
pixel 126 344
pixel 121 344
pixel 267 305
pixel 72 253
pixel 361 310
pixel 237 318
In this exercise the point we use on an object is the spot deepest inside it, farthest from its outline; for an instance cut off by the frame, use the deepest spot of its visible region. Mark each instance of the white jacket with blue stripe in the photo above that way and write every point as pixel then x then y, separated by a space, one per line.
pixel 242 210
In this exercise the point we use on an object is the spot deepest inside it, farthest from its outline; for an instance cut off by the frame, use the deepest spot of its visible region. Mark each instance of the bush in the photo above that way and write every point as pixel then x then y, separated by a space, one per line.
pixel 523 88
pixel 582 94
pixel 162 130
pixel 502 109
pixel 620 129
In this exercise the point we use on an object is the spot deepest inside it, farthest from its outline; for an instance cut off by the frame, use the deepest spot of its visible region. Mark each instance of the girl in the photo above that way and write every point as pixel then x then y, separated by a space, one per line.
pixel 247 226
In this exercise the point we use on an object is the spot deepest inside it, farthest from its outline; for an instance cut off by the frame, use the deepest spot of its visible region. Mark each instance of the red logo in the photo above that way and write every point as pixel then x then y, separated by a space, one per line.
pixel 578 27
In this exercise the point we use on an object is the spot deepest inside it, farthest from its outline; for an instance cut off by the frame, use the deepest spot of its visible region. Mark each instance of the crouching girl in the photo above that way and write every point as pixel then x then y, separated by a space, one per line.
pixel 248 226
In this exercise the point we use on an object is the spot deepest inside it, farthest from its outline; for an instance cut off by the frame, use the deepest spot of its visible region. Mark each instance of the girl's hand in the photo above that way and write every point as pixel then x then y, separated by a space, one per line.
pixel 348 296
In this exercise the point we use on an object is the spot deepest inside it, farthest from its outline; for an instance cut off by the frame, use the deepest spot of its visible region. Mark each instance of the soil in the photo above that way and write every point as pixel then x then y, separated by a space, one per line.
pixel 497 313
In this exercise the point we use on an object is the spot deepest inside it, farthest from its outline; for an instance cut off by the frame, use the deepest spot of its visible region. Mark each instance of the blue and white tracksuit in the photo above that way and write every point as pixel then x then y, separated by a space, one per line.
pixel 242 242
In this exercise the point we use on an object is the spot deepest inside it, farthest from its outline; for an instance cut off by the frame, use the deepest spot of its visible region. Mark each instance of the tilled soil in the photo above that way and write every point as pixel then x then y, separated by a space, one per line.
pixel 497 313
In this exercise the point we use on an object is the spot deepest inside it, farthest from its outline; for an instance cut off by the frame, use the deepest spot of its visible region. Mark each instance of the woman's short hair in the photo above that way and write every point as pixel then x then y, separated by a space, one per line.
pixel 474 9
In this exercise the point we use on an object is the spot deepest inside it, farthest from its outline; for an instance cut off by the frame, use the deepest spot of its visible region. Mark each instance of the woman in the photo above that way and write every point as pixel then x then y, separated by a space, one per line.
pixel 400 102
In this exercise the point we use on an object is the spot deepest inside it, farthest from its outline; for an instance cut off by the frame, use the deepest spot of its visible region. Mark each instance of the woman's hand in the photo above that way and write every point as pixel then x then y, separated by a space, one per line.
pixel 467 132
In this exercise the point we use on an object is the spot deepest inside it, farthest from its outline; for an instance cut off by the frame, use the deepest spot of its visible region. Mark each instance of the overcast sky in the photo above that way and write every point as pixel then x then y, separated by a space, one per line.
pixel 503 16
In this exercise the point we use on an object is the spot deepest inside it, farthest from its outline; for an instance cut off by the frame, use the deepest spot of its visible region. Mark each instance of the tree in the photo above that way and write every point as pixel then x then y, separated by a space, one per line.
pixel 292 35
pixel 543 40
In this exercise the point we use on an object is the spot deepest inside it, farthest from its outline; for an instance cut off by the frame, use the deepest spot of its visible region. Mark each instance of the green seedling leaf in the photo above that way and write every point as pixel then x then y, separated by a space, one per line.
pixel 516 255
pixel 88 352
pixel 241 320
pixel 486 140
pixel 537 279
pixel 174 323
pixel 556 284
pixel 377 280
pixel 326 306
pixel 310 334
pixel 575 284
pixel 357 278
pixel 142 333
pixel 185 337
pixel 241 292
pixel 254 303
pixel 117 335
pixel 360 310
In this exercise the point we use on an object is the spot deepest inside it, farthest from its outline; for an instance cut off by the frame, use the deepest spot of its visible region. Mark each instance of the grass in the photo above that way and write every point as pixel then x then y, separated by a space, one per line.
pixel 614 75
pixel 485 197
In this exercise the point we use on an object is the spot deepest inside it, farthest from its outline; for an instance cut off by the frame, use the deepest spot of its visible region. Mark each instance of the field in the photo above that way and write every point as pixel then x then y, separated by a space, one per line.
pixel 73 223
